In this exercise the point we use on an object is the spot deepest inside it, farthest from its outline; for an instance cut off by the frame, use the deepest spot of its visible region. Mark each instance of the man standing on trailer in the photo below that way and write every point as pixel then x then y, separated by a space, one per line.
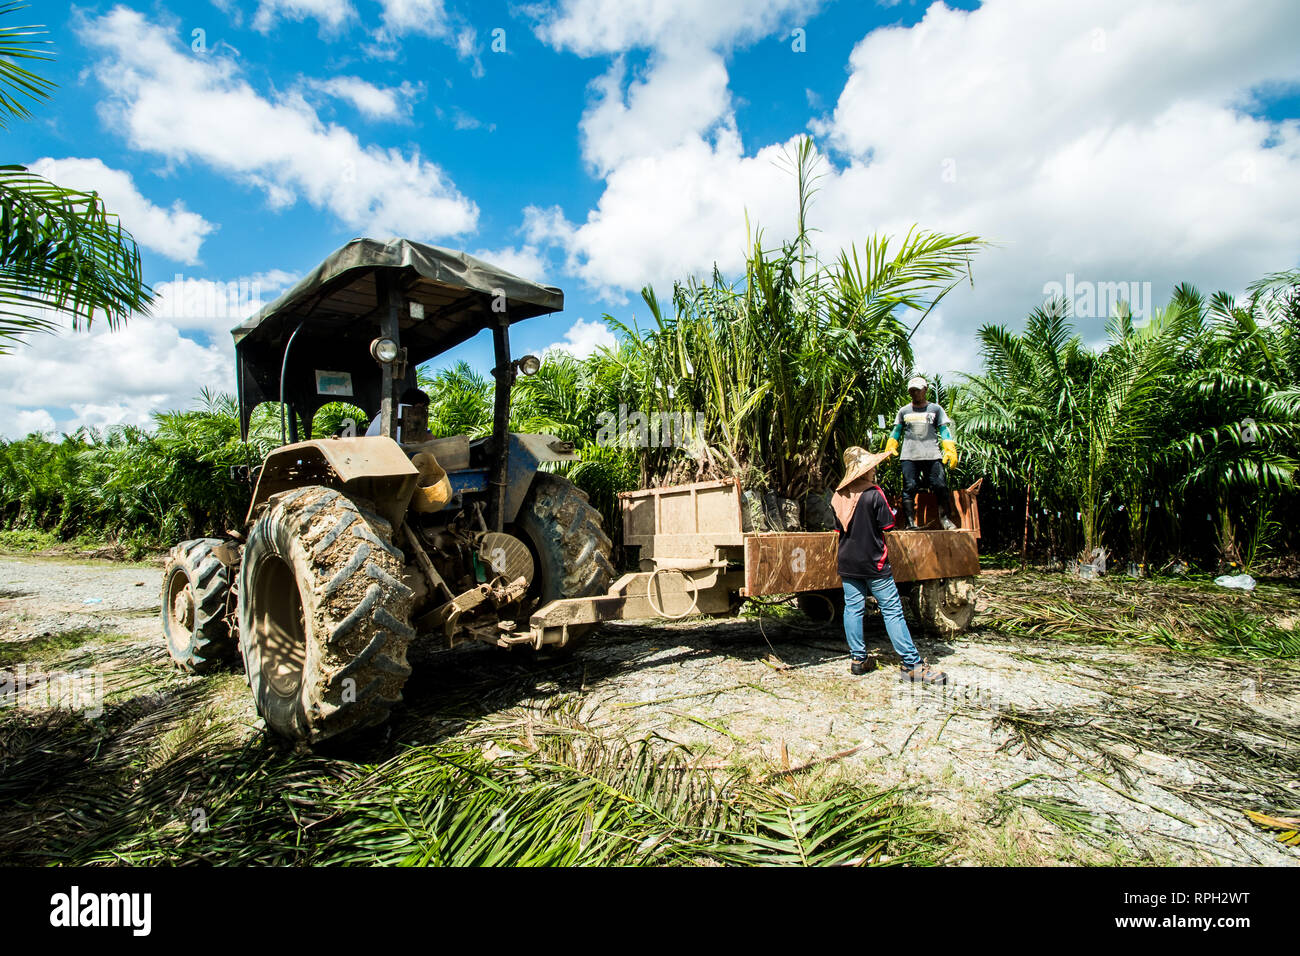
pixel 928 448
pixel 862 516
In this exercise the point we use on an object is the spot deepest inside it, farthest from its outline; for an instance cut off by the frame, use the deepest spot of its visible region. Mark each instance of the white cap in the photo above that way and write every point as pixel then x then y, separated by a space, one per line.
pixel 917 382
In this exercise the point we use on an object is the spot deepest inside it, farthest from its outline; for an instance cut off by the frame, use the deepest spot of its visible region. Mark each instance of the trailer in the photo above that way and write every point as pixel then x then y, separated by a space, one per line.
pixel 697 554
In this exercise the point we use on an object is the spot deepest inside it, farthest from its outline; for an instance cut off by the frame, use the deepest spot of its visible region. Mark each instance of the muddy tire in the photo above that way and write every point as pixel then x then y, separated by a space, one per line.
pixel 946 607
pixel 571 552
pixel 195 585
pixel 323 615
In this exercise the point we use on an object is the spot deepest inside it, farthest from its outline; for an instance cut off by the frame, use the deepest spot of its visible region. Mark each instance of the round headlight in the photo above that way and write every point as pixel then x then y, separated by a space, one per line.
pixel 529 364
pixel 384 350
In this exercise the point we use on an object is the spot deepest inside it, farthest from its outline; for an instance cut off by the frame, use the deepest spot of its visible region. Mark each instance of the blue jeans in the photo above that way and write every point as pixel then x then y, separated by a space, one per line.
pixel 885 591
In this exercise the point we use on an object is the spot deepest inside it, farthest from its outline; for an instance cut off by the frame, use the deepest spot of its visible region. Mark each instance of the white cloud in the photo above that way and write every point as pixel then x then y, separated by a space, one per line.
pixel 186 107
pixel 429 18
pixel 332 14
pixel 107 378
pixel 375 102
pixel 462 120
pixel 213 306
pixel 153 363
pixel 593 27
pixel 939 346
pixel 677 182
pixel 1105 141
pixel 584 338
pixel 20 422
pixel 683 95
pixel 177 233
pixel 547 225
pixel 1117 155
pixel 664 217
pixel 524 261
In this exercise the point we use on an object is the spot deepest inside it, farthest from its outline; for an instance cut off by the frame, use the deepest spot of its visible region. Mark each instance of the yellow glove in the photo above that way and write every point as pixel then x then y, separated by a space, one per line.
pixel 949 453
pixel 891 447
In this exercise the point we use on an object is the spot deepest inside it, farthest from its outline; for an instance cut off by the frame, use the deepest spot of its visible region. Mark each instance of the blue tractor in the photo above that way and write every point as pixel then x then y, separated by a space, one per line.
pixel 356 543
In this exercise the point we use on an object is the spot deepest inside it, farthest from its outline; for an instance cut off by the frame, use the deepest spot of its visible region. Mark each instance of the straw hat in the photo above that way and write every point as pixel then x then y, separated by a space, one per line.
pixel 858 462
pixel 433 487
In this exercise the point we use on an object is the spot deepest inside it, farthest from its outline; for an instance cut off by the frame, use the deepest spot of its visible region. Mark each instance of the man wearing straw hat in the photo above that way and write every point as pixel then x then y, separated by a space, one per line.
pixel 862 516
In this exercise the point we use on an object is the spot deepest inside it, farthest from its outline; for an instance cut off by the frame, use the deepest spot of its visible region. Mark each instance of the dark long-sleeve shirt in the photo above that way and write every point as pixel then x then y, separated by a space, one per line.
pixel 863 552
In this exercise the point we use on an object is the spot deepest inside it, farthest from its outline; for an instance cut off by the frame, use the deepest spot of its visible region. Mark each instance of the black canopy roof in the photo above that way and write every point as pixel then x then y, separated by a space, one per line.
pixel 336 309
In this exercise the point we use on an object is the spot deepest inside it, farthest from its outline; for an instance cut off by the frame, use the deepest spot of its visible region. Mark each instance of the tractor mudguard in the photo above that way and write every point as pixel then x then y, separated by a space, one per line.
pixel 372 468
pixel 526 453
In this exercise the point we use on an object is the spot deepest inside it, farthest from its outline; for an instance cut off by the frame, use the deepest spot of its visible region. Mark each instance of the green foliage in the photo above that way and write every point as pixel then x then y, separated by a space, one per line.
pixel 82 792
pixel 335 418
pixel 60 249
pixel 797 360
pixel 460 401
pixel 1196 408
pixel 1177 437
pixel 149 489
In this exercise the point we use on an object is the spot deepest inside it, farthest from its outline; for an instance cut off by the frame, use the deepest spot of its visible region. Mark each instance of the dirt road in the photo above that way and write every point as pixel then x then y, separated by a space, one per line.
pixel 1039 751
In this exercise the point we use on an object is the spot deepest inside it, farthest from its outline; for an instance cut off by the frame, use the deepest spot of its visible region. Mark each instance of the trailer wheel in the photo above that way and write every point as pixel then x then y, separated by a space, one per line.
pixel 945 607
pixel 571 551
pixel 822 607
pixel 323 615
pixel 196 583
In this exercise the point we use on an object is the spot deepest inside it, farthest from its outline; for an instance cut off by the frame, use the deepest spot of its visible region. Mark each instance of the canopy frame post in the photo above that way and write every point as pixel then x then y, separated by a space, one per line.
pixel 391 301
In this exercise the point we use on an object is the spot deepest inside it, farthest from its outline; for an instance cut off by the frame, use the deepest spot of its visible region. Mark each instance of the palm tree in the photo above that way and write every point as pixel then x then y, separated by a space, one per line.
pixel 460 401
pixel 1240 406
pixel 796 359
pixel 1050 414
pixel 1014 412
pixel 61 251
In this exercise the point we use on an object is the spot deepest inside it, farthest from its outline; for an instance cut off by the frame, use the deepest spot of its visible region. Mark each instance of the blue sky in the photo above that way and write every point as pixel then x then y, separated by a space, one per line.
pixel 1114 149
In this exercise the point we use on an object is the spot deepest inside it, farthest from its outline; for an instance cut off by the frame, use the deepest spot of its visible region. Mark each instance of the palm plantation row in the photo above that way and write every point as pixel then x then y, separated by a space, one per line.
pixel 1176 440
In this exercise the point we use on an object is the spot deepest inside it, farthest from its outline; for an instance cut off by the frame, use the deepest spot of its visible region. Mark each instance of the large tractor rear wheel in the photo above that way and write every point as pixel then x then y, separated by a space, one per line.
pixel 196 583
pixel 570 549
pixel 323 615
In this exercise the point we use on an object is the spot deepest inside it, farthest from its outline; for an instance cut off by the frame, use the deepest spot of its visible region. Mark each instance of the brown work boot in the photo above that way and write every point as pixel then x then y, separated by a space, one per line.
pixel 923 673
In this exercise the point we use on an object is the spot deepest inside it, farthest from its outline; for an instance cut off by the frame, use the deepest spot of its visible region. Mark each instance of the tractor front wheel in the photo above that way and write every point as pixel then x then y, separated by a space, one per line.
pixel 196 582
pixel 571 551
pixel 323 615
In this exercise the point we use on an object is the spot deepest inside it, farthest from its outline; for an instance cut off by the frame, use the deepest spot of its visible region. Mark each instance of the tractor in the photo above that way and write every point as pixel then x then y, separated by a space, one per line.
pixel 354 543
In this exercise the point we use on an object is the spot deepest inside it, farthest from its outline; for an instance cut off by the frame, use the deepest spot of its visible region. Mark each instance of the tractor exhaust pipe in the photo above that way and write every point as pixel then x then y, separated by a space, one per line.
pixel 504 373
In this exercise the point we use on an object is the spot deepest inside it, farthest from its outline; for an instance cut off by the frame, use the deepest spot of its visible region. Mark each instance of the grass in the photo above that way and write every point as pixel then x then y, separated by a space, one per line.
pixel 1248 761
pixel 47 647
pixel 167 779
pixel 1165 614
pixel 49 546
pixel 30 539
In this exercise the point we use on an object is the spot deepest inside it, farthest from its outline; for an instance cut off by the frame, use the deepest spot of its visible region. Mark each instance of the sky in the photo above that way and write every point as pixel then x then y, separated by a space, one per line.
pixel 1108 150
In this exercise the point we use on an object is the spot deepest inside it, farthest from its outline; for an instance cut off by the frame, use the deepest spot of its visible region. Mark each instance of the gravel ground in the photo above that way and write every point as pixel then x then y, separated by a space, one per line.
pixel 773 693
pixel 41 597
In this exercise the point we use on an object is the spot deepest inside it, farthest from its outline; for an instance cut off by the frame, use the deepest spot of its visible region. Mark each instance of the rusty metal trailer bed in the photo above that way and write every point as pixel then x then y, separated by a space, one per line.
pixel 696 557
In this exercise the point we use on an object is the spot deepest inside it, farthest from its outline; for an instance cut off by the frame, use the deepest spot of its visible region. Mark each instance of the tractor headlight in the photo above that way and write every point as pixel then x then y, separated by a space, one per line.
pixel 384 351
pixel 529 364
